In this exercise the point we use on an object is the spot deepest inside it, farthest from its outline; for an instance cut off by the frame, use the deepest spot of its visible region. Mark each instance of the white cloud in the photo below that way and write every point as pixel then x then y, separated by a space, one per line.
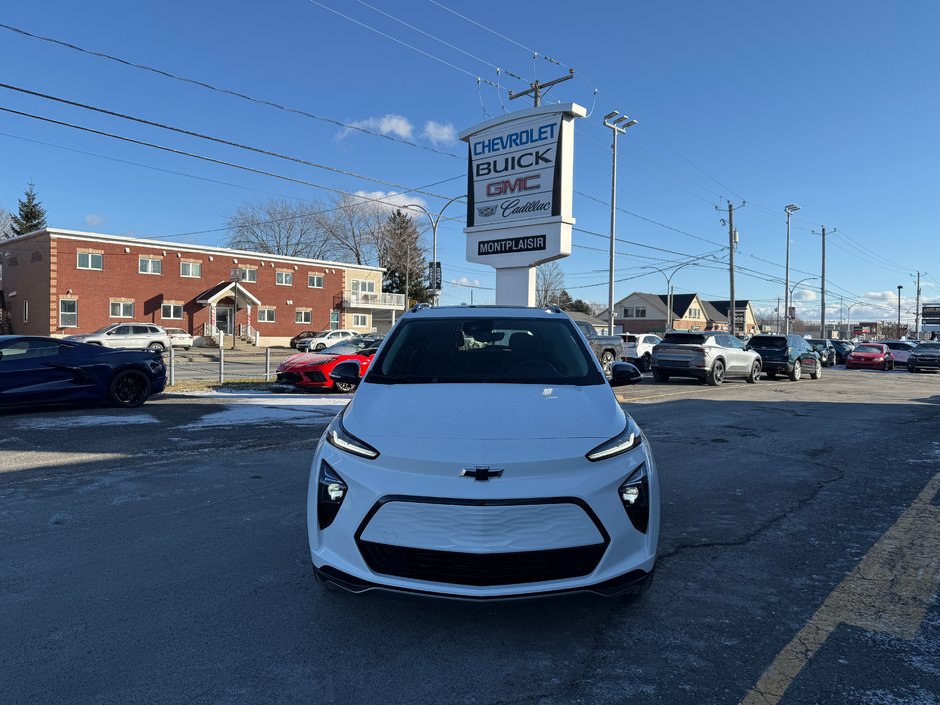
pixel 887 296
pixel 397 125
pixel 465 281
pixel 394 200
pixel 440 132
pixel 93 219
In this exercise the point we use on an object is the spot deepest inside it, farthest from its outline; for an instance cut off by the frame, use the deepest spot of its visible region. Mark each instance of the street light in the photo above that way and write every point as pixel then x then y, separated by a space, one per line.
pixel 617 125
pixel 899 310
pixel 848 319
pixel 435 221
pixel 790 209
pixel 669 285
pixel 790 292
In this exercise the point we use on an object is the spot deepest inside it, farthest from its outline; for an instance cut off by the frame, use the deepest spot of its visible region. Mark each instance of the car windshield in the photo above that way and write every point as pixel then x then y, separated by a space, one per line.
pixel 485 350
pixel 684 338
pixel 900 346
pixel 928 347
pixel 768 341
pixel 816 341
pixel 350 346
pixel 868 349
pixel 103 330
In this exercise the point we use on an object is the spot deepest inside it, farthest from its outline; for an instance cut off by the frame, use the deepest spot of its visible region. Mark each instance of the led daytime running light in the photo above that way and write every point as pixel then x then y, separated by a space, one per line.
pixel 338 436
pixel 628 439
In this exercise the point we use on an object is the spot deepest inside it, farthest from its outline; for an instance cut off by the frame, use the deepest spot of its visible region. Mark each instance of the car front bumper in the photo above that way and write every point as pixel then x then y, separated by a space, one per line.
pixel 523 534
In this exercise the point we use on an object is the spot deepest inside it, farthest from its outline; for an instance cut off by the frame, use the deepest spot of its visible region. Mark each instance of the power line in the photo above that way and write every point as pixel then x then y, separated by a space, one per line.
pixel 227 91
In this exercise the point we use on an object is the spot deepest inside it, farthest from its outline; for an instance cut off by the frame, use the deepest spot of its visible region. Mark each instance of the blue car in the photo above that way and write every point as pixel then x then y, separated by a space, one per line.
pixel 37 370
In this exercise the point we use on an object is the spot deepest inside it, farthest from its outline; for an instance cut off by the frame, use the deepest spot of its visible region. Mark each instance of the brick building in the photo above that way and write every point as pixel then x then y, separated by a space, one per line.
pixel 63 282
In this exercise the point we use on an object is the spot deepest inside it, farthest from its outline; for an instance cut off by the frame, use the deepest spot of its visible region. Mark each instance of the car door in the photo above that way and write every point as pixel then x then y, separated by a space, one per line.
pixel 732 351
pixel 31 372
pixel 119 337
pixel 807 356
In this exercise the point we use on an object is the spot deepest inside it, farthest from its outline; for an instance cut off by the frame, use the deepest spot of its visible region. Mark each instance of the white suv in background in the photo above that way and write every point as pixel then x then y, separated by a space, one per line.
pixel 324 339
pixel 138 336
pixel 639 349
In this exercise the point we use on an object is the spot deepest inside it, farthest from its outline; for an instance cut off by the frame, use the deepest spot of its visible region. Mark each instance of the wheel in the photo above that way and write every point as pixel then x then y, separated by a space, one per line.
pixel 344 387
pixel 129 389
pixel 912 370
pixel 319 346
pixel 817 373
pixel 607 361
pixel 716 375
pixel 755 373
pixel 797 371
pixel 646 363
pixel 660 376
pixel 156 347
pixel 884 366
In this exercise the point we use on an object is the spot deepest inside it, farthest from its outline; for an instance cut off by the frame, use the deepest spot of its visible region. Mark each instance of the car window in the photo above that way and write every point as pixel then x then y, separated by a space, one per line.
pixel 27 349
pixel 585 328
pixel 769 341
pixel 122 330
pixel 142 330
pixel 485 350
pixel 653 339
pixel 349 347
pixel 684 338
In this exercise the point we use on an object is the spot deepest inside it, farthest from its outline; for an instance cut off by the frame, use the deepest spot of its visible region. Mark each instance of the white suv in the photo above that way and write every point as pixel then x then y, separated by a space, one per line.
pixel 140 336
pixel 324 339
pixel 639 349
pixel 484 455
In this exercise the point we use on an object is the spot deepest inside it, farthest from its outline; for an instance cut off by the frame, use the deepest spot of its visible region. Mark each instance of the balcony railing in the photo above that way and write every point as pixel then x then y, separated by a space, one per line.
pixel 361 299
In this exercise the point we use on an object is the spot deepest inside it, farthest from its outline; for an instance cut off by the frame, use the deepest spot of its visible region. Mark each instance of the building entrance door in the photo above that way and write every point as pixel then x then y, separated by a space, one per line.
pixel 224 319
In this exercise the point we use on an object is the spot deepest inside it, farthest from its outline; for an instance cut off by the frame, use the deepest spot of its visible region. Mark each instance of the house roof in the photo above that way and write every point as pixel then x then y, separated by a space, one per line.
pixel 722 306
pixel 593 320
pixel 223 290
pixel 713 314
pixel 680 303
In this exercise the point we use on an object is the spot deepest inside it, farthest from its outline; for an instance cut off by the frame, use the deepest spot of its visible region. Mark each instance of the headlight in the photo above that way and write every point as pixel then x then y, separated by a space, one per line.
pixel 628 439
pixel 338 436
pixel 635 494
pixel 331 491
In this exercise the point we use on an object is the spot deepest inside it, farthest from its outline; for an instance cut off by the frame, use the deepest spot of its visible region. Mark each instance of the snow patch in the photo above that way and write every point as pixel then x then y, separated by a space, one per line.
pixel 63 423
pixel 250 415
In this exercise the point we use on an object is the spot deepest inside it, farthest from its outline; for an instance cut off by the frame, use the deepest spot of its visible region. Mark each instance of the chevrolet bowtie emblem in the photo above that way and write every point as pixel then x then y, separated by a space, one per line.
pixel 481 474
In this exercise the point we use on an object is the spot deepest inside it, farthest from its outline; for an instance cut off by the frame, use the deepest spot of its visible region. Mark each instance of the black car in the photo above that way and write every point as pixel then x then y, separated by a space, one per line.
pixel 925 356
pixel 302 335
pixel 38 370
pixel 825 349
pixel 843 348
pixel 788 355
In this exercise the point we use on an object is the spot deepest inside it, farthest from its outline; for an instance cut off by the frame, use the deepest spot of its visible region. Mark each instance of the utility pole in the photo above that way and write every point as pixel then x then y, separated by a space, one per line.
pixel 822 309
pixel 778 316
pixel 899 310
pixel 790 210
pixel 917 308
pixel 617 125
pixel 537 88
pixel 731 243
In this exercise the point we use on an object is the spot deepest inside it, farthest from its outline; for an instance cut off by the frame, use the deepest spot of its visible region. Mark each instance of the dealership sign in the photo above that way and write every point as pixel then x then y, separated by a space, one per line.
pixel 520 183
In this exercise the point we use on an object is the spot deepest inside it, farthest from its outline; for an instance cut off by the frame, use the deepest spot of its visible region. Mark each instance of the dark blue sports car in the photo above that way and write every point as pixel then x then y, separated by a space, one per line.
pixel 38 370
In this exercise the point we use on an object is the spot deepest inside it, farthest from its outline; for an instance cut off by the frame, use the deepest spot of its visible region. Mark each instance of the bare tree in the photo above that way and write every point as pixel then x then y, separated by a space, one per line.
pixel 280 227
pixel 549 283
pixel 354 229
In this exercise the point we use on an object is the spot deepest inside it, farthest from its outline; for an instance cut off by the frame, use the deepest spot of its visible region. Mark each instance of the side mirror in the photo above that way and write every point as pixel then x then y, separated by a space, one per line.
pixel 346 373
pixel 109 332
pixel 623 374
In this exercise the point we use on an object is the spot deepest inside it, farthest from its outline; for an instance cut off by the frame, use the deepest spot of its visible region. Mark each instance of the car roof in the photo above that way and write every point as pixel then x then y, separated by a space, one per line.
pixel 486 312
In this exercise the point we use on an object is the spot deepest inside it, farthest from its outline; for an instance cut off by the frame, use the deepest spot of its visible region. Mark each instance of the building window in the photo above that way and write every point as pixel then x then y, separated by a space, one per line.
pixel 191 269
pixel 695 313
pixel 90 260
pixel 284 278
pixel 122 309
pixel 249 276
pixel 171 312
pixel 334 320
pixel 639 312
pixel 26 311
pixel 68 313
pixel 266 315
pixel 150 265
pixel 360 319
pixel 628 312
pixel 364 286
pixel 315 281
pixel 302 316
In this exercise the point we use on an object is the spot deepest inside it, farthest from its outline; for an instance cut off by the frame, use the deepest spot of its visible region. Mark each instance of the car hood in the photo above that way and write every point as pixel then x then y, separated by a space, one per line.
pixel 868 354
pixel 522 412
pixel 304 360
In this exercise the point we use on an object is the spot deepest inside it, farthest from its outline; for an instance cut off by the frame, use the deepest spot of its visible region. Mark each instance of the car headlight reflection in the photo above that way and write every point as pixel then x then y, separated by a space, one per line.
pixel 338 436
pixel 331 491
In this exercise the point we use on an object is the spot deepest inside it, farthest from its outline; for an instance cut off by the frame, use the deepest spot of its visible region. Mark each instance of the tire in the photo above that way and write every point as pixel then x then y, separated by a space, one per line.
pixel 646 363
pixel 607 360
pixel 343 387
pixel 156 347
pixel 716 375
pixel 796 372
pixel 912 370
pixel 755 373
pixel 319 346
pixel 129 389
pixel 817 373
pixel 660 376
pixel 884 366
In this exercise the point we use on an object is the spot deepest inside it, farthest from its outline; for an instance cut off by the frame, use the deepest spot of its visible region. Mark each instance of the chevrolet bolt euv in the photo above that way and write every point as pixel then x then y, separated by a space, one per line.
pixel 484 455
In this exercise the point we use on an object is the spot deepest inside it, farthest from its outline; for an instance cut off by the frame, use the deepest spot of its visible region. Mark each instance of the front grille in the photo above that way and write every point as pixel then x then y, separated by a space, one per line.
pixel 288 377
pixel 315 376
pixel 481 569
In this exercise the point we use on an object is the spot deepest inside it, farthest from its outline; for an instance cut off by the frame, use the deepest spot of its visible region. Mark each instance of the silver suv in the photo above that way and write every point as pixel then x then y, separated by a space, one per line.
pixel 710 356
pixel 140 336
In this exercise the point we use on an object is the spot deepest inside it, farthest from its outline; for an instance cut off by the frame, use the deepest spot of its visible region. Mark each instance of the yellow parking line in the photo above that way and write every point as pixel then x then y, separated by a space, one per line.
pixel 888 591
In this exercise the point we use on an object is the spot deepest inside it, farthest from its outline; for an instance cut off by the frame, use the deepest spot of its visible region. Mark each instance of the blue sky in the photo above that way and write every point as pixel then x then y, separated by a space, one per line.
pixel 827 105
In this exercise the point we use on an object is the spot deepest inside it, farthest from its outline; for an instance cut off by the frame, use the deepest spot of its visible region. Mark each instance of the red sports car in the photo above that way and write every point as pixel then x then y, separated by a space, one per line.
pixel 312 370
pixel 873 355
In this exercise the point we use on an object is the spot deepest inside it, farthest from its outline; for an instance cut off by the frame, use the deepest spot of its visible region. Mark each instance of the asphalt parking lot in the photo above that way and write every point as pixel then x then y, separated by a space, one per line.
pixel 159 555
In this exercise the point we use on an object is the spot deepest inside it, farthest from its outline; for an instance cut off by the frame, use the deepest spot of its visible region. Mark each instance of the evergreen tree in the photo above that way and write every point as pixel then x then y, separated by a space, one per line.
pixel 403 258
pixel 32 215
